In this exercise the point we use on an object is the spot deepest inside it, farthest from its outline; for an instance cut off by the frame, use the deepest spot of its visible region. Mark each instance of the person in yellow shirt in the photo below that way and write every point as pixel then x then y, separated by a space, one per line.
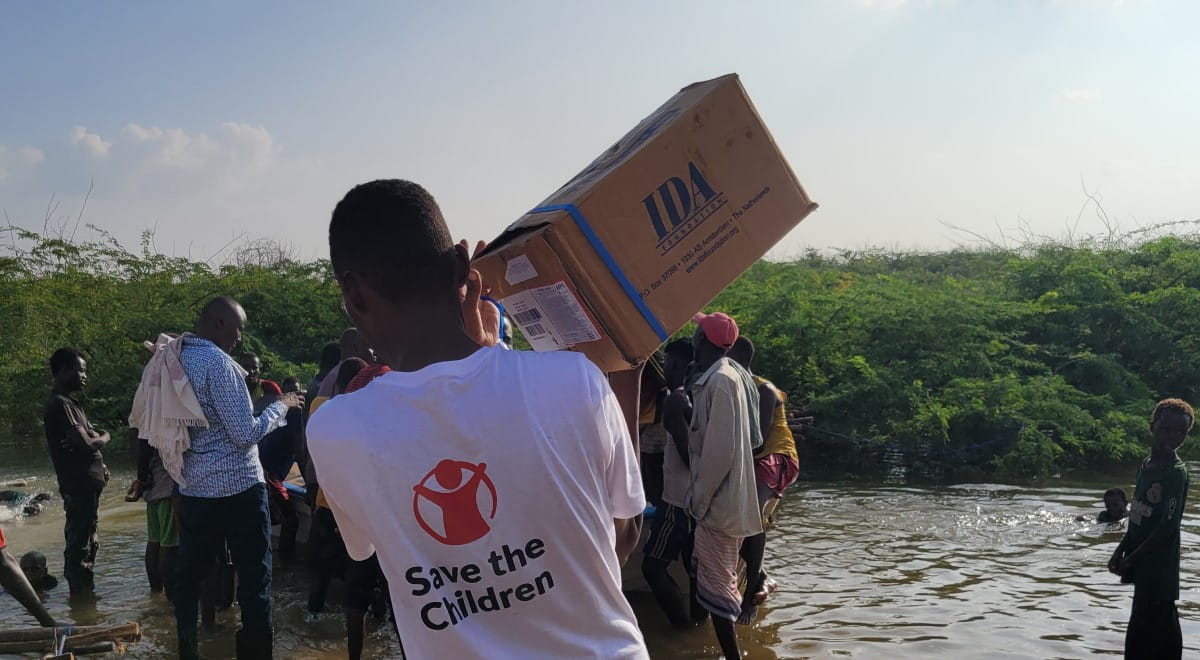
pixel 776 466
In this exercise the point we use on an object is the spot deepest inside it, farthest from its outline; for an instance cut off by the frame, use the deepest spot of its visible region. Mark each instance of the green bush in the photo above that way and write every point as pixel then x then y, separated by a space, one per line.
pixel 1016 363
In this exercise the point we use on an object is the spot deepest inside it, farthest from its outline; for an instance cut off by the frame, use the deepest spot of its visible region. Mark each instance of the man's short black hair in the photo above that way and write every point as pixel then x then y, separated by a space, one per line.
pixel 346 373
pixel 392 234
pixel 331 354
pixel 1116 491
pixel 63 358
pixel 742 351
pixel 681 349
pixel 652 373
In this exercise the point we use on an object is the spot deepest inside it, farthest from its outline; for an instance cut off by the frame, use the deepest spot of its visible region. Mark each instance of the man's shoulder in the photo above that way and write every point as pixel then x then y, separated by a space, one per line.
pixel 1180 472
pixel 553 368
pixel 726 373
pixel 58 402
pixel 201 357
pixel 334 418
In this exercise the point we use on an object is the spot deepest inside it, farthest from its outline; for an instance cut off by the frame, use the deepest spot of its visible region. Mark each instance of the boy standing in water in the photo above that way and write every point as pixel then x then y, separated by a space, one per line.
pixel 74 446
pixel 1148 556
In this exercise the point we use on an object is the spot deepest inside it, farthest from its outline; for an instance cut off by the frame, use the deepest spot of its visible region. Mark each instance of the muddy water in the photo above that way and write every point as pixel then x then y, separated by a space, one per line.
pixel 866 570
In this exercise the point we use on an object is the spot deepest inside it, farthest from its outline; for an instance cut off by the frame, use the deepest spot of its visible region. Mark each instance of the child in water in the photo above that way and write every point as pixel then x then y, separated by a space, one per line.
pixel 33 565
pixel 1116 506
pixel 1148 556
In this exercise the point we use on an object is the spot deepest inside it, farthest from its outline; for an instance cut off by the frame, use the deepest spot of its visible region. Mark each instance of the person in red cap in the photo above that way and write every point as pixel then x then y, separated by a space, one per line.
pixel 722 498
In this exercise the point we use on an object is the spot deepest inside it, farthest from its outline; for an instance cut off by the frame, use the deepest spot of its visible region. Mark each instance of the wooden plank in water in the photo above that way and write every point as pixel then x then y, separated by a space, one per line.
pixel 34 640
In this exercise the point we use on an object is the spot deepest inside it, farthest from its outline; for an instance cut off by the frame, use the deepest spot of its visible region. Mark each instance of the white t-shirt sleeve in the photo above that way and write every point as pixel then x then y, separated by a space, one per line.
pixel 336 476
pixel 622 474
pixel 358 546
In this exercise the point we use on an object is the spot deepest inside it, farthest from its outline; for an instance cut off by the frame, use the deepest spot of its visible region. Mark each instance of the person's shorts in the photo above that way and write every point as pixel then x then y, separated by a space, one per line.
pixel 773 473
pixel 670 534
pixel 160 523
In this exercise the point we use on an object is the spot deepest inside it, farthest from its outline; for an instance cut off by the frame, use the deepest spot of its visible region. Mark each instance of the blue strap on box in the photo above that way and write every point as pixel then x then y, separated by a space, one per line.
pixel 608 260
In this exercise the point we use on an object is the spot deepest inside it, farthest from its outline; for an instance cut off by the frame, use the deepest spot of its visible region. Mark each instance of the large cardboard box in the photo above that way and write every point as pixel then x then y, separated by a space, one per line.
pixel 625 253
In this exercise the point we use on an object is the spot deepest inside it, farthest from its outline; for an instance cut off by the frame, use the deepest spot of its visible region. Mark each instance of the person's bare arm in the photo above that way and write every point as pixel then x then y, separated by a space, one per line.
pixel 14 582
pixel 677 416
pixel 629 532
pixel 768 402
pixel 97 439
pixel 626 385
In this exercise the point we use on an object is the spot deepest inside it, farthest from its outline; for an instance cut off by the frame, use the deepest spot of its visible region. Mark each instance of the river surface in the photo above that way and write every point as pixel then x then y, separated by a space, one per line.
pixel 866 569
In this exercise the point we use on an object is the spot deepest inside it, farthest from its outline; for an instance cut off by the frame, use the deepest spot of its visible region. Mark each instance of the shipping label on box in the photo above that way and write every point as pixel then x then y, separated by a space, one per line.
pixel 640 240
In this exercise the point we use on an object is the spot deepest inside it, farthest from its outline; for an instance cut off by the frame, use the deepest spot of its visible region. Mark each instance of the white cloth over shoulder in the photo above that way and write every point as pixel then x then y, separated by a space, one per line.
pixel 165 406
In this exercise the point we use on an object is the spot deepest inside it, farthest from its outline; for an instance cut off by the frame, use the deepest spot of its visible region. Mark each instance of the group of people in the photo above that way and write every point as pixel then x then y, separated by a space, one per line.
pixel 491 495
pixel 717 455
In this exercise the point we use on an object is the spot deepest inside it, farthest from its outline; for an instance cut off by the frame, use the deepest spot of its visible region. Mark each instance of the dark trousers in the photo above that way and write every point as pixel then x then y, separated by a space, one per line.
pixel 327 558
pixel 652 477
pixel 672 537
pixel 79 556
pixel 1153 632
pixel 206 524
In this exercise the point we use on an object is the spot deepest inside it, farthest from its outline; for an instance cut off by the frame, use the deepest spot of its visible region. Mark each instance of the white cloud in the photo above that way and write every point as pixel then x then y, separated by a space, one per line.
pixel 91 141
pixel 233 149
pixel 32 155
pixel 22 159
pixel 198 188
pixel 1079 96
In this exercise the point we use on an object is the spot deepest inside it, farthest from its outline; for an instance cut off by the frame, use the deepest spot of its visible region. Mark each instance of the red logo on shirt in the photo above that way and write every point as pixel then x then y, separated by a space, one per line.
pixel 449 503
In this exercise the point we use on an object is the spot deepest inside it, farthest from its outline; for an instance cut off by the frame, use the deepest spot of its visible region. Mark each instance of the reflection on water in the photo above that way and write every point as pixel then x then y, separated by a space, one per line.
pixel 865 571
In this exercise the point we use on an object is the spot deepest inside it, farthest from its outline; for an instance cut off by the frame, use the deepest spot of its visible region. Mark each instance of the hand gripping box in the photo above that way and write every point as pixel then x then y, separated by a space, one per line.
pixel 625 253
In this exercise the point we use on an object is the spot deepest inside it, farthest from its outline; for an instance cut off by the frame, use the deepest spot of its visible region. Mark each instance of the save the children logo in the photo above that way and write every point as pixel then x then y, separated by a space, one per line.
pixel 455 502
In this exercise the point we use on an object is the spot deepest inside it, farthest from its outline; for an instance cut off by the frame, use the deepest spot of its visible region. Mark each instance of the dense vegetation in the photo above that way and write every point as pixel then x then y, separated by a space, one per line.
pixel 1019 362
pixel 106 300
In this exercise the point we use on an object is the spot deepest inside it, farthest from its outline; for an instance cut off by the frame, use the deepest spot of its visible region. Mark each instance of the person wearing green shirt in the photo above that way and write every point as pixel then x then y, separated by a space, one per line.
pixel 1148 556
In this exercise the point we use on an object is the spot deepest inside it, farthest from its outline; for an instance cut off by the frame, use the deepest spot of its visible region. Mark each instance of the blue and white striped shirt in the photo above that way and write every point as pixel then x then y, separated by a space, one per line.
pixel 223 460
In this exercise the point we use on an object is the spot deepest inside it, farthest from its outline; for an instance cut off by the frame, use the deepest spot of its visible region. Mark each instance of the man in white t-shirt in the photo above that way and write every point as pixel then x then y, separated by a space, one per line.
pixel 499 489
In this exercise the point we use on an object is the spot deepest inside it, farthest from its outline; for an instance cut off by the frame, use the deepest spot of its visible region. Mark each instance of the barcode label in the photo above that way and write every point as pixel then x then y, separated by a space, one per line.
pixel 570 322
pixel 550 317
pixel 528 316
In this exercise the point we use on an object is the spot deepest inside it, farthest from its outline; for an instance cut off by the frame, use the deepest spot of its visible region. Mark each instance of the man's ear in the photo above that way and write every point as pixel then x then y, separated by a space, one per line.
pixel 462 268
pixel 354 295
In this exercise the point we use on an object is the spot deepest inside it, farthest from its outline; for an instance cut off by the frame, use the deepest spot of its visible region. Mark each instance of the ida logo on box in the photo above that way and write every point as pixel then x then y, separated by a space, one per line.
pixel 680 205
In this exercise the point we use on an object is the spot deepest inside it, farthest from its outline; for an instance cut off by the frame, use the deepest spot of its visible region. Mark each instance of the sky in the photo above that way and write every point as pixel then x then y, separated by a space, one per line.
pixel 915 124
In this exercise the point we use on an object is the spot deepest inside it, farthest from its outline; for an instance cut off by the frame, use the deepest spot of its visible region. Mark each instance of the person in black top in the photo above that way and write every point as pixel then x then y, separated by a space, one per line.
pixel 74 446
